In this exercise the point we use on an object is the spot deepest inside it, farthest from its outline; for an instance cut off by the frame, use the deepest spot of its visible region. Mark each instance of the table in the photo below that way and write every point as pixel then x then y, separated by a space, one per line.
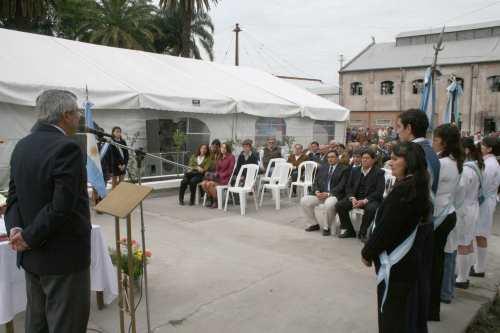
pixel 12 282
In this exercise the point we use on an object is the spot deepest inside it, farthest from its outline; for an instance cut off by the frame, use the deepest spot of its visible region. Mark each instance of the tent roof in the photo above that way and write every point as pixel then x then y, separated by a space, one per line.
pixel 128 79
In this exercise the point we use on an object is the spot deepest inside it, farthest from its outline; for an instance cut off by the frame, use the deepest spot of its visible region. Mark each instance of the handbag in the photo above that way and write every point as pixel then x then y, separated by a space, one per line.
pixel 211 176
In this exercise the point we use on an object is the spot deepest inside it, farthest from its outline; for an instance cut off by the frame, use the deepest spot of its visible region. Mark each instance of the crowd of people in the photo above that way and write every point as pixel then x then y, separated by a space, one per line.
pixel 426 234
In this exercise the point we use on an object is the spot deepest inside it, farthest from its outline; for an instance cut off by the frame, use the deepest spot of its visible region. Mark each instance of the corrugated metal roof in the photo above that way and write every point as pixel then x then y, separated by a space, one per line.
pixel 475 26
pixel 387 55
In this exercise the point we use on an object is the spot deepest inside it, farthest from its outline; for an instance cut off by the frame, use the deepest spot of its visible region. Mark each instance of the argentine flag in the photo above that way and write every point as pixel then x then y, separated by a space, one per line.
pixel 94 170
pixel 428 91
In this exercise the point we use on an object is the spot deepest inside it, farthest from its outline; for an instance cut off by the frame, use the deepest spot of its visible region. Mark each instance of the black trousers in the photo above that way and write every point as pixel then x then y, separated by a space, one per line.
pixel 440 238
pixel 396 313
pixel 58 303
pixel 192 180
pixel 343 208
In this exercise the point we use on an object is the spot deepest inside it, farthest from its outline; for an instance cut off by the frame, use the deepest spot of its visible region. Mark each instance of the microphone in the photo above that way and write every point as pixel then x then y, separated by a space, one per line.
pixel 85 129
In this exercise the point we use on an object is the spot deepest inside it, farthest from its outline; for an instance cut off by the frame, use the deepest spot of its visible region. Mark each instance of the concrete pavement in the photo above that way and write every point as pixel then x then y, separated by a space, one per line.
pixel 219 272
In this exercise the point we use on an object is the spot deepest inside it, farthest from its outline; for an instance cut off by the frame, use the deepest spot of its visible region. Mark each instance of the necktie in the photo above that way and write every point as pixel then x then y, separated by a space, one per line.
pixel 330 174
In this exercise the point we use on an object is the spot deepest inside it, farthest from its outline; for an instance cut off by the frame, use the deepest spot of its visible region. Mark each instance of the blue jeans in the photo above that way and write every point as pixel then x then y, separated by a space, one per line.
pixel 448 287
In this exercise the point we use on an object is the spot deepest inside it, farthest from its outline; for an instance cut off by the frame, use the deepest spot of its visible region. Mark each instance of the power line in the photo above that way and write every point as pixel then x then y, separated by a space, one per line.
pixel 278 58
pixel 473 11
pixel 228 48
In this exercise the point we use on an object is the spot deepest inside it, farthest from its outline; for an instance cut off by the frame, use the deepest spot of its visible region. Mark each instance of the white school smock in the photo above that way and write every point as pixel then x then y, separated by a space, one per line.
pixel 491 181
pixel 468 211
pixel 446 195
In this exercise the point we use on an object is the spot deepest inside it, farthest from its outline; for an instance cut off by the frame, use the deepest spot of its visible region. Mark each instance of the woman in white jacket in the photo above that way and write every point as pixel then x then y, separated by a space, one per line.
pixel 446 143
pixel 491 181
pixel 468 210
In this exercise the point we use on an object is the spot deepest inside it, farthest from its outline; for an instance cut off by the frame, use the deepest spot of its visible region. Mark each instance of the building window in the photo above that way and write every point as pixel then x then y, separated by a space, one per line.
pixel 266 127
pixel 323 131
pixel 417 86
pixel 383 122
pixel 494 83
pixel 459 80
pixel 357 88
pixel 387 88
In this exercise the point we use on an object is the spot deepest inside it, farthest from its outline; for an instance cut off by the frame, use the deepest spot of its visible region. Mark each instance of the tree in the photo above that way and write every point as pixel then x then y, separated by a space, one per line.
pixel 189 8
pixel 75 18
pixel 123 23
pixel 169 39
pixel 26 15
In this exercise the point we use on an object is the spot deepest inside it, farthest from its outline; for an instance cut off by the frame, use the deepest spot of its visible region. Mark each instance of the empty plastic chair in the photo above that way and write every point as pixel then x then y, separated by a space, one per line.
pixel 248 186
pixel 283 171
pixel 305 177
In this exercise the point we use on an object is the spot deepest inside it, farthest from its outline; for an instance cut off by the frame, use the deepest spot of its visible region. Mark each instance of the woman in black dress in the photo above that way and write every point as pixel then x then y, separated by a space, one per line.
pixel 119 158
pixel 403 218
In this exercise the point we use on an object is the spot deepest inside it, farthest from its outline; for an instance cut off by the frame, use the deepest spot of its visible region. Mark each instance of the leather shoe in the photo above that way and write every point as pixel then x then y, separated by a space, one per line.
pixel 326 232
pixel 347 234
pixel 475 274
pixel 312 228
pixel 462 285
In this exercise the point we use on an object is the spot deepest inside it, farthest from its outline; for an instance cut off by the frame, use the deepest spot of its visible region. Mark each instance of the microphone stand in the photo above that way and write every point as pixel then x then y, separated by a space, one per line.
pixel 139 158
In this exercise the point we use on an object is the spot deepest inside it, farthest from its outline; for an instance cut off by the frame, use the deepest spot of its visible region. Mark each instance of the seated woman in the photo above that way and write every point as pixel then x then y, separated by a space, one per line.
pixel 199 163
pixel 402 232
pixel 223 169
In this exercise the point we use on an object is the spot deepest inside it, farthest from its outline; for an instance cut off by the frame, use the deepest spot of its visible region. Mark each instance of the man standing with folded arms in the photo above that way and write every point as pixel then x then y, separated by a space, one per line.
pixel 48 218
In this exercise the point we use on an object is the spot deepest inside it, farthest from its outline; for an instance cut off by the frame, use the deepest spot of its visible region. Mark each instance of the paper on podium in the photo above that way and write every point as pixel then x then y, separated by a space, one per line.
pixel 123 199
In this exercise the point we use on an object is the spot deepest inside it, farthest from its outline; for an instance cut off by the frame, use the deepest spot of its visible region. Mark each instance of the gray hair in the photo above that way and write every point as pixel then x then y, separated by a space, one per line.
pixel 298 145
pixel 52 104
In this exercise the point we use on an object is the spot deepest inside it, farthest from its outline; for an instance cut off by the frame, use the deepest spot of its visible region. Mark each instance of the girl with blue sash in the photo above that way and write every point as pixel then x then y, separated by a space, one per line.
pixel 468 210
pixel 402 228
pixel 447 144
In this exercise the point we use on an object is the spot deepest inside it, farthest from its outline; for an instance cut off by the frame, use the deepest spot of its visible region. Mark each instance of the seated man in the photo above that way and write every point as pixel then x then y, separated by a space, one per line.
pixel 328 188
pixel 295 159
pixel 247 156
pixel 270 151
pixel 314 153
pixel 364 190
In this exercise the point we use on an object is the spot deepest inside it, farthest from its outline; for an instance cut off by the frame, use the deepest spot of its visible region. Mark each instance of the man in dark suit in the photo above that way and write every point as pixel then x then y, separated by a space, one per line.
pixel 48 218
pixel 364 190
pixel 328 188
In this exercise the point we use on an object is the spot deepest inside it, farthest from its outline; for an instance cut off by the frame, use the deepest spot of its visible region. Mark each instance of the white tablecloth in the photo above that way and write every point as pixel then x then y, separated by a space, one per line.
pixel 12 282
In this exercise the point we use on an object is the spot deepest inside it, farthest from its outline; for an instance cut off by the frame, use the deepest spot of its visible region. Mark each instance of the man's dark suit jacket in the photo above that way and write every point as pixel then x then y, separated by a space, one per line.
pixel 337 183
pixel 48 199
pixel 375 184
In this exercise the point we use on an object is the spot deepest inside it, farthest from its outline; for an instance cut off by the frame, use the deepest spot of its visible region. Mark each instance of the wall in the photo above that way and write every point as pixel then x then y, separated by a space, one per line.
pixel 476 104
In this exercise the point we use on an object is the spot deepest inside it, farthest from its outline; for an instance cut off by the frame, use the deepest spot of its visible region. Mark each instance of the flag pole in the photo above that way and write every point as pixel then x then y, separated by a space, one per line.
pixel 437 48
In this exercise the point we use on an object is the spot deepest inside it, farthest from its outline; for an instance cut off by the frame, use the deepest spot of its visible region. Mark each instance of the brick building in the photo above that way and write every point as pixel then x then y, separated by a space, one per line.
pixel 387 78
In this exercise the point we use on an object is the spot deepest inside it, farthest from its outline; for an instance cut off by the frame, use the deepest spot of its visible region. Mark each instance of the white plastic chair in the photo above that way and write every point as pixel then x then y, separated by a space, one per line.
pixel 220 191
pixel 270 171
pixel 309 169
pixel 248 187
pixel 283 171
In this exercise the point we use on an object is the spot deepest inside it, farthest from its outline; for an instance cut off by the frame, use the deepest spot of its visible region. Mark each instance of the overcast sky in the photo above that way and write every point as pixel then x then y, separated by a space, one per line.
pixel 305 38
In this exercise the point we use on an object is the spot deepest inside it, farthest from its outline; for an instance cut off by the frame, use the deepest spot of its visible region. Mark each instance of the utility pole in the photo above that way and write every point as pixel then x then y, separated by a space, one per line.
pixel 237 30
pixel 341 61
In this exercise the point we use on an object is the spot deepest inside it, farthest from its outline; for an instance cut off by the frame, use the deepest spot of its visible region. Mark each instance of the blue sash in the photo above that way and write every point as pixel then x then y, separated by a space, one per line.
pixel 389 260
pixel 104 150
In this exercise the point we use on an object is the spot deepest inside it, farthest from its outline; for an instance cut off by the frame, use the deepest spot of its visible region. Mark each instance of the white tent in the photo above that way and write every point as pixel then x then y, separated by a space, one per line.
pixel 128 87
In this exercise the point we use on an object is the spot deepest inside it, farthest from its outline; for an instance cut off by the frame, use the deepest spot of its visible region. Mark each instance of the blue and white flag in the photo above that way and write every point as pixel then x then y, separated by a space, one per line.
pixel 455 91
pixel 94 170
pixel 427 91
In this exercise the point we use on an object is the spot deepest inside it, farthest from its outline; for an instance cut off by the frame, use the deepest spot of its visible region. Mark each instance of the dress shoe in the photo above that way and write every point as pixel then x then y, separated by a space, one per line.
pixel 181 202
pixel 191 203
pixel 462 285
pixel 214 205
pixel 347 234
pixel 326 232
pixel 312 228
pixel 475 274
pixel 446 301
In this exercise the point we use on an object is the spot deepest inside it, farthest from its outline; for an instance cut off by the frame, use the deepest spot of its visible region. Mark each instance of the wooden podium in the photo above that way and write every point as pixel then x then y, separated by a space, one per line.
pixel 120 203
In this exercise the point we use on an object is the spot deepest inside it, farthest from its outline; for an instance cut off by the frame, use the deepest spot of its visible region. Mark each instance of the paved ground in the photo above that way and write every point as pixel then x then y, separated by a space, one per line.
pixel 219 272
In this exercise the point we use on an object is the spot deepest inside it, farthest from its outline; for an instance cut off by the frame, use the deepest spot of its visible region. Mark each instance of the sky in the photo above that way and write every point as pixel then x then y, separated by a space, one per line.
pixel 305 38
